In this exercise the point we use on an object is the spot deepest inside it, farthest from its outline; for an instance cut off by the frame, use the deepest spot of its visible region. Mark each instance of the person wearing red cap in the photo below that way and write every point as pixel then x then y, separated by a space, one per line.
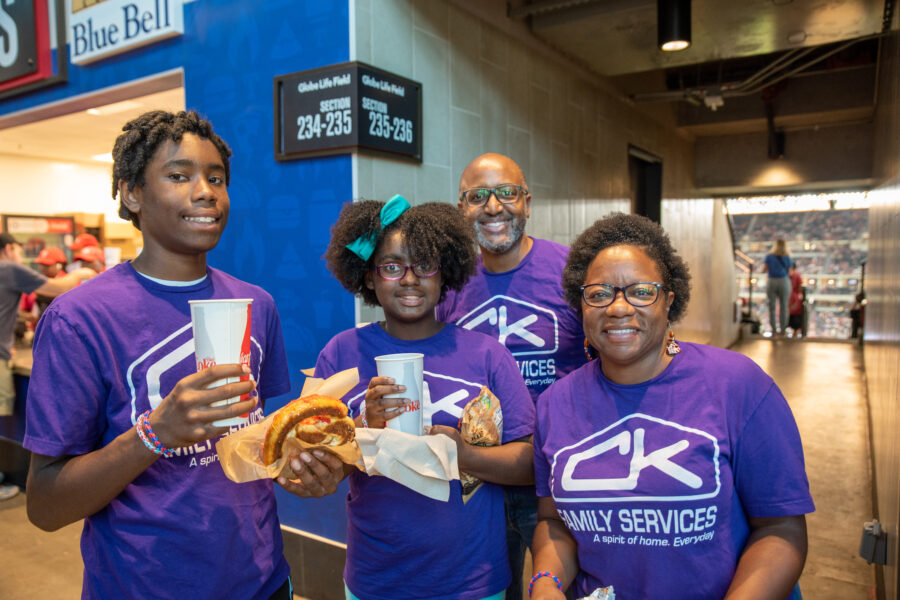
pixel 81 242
pixel 92 257
pixel 51 263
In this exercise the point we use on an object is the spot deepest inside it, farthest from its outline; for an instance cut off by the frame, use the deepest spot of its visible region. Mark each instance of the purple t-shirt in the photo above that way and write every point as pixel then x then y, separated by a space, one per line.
pixel 525 310
pixel 401 544
pixel 104 353
pixel 656 481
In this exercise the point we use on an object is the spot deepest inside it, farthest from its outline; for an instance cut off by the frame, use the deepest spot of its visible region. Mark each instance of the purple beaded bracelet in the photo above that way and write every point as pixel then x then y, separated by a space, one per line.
pixel 145 432
pixel 540 574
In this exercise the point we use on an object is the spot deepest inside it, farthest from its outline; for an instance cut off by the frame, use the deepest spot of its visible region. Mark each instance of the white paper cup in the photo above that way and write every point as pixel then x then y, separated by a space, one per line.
pixel 222 337
pixel 406 369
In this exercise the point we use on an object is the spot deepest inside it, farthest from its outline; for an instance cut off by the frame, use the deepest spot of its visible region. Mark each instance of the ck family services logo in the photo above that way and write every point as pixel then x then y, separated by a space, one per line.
pixel 638 458
pixel 527 329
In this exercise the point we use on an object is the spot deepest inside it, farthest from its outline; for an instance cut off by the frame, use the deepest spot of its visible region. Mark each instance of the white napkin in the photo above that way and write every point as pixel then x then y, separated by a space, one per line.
pixel 424 464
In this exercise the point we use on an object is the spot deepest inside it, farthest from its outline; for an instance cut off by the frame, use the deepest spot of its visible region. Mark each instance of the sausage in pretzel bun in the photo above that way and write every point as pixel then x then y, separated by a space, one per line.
pixel 313 419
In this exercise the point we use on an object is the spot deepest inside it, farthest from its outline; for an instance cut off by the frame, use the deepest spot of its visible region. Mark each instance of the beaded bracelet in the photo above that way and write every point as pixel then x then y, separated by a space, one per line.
pixel 362 417
pixel 145 432
pixel 543 574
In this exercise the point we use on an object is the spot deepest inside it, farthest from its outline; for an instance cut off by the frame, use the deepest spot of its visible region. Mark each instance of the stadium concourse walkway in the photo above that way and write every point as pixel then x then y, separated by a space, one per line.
pixel 823 382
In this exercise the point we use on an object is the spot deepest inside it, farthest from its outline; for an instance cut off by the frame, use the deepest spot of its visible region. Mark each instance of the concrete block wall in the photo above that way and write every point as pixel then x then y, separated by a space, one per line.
pixel 486 91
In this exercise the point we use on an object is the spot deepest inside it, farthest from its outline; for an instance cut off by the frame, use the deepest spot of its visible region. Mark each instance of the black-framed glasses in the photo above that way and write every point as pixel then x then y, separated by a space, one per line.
pixel 395 271
pixel 506 193
pixel 640 294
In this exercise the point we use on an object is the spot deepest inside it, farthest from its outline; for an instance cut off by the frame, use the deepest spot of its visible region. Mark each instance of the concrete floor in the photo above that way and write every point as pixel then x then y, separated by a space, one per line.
pixel 823 382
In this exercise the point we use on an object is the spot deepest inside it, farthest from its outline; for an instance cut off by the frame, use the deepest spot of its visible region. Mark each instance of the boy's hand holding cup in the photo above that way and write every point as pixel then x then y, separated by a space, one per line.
pixel 206 404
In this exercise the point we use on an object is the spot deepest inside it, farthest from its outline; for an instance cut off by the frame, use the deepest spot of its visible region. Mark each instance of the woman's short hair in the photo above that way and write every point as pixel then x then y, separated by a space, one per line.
pixel 433 231
pixel 140 137
pixel 618 229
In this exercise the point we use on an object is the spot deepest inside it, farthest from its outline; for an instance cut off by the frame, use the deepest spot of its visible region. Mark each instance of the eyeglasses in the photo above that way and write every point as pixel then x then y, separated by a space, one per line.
pixel 395 271
pixel 506 193
pixel 640 294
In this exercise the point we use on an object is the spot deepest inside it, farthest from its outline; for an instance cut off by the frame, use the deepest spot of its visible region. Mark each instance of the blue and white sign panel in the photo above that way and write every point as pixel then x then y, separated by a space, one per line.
pixel 101 29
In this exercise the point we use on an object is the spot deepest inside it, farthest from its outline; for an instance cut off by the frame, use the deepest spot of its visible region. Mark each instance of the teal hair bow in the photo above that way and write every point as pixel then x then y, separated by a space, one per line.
pixel 364 245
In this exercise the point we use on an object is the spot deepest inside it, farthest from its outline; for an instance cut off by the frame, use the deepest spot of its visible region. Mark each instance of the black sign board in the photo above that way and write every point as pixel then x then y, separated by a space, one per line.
pixel 18 40
pixel 347 107
pixel 27 59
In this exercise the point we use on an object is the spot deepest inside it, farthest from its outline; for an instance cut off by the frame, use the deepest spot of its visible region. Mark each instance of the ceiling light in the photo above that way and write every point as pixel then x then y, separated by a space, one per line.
pixel 673 24
pixel 107 158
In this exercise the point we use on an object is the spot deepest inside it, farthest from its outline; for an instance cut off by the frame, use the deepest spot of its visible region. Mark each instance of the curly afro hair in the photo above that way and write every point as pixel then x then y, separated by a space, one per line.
pixel 618 229
pixel 434 231
pixel 135 147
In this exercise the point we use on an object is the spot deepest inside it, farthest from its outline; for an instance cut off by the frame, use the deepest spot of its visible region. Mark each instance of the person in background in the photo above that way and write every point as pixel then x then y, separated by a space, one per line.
pixel 401 544
pixel 92 257
pixel 120 422
pixel 795 303
pixel 15 280
pixel 666 469
pixel 52 264
pixel 82 240
pixel 515 296
pixel 857 315
pixel 778 286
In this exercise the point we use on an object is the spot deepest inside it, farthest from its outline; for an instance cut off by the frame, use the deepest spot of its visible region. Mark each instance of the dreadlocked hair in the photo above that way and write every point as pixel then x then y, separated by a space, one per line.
pixel 618 229
pixel 135 147
pixel 433 232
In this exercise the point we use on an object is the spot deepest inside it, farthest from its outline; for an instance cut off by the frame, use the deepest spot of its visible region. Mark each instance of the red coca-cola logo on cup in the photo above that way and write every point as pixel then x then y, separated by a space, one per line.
pixel 412 406
pixel 205 363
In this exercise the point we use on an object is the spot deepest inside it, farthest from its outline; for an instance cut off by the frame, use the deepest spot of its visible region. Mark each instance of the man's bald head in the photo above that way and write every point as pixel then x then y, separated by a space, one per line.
pixel 489 170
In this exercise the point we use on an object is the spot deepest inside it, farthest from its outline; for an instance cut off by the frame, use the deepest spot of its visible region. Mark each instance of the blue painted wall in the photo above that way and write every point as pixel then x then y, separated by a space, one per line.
pixel 281 213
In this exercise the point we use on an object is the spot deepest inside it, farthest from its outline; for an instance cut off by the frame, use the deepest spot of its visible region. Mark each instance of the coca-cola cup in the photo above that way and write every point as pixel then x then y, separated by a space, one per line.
pixel 406 369
pixel 222 337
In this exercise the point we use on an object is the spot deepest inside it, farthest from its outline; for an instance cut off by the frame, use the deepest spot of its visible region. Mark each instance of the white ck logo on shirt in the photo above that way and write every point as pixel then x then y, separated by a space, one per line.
pixel 511 318
pixel 452 402
pixel 613 465
pixel 639 462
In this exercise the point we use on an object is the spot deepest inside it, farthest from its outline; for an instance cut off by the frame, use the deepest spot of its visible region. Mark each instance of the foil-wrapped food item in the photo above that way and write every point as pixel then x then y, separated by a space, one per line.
pixel 606 593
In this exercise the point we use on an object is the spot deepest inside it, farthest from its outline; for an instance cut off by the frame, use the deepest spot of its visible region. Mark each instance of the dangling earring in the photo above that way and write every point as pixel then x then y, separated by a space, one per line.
pixel 672 347
pixel 589 352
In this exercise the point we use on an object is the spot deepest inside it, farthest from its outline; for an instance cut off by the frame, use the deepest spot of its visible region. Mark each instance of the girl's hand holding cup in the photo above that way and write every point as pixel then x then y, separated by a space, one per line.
pixel 380 410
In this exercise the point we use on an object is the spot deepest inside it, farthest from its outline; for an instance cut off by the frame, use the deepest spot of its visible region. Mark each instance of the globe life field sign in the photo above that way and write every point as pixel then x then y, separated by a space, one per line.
pixel 347 107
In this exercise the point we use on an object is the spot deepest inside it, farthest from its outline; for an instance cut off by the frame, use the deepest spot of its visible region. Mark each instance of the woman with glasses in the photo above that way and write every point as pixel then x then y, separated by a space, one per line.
pixel 401 544
pixel 665 469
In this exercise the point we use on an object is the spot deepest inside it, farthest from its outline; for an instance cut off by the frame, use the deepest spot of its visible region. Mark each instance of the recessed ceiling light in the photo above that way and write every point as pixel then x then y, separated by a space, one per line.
pixel 796 37
pixel 107 158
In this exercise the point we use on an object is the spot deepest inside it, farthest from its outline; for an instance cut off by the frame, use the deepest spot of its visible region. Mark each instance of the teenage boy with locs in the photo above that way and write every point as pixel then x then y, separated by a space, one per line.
pixel 515 296
pixel 119 420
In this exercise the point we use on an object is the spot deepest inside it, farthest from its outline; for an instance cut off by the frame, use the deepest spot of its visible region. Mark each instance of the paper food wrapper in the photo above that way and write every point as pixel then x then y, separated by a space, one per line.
pixel 606 593
pixel 481 425
pixel 423 463
pixel 240 453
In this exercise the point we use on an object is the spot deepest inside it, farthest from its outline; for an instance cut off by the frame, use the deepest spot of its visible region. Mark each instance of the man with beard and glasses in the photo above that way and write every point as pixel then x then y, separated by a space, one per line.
pixel 515 296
